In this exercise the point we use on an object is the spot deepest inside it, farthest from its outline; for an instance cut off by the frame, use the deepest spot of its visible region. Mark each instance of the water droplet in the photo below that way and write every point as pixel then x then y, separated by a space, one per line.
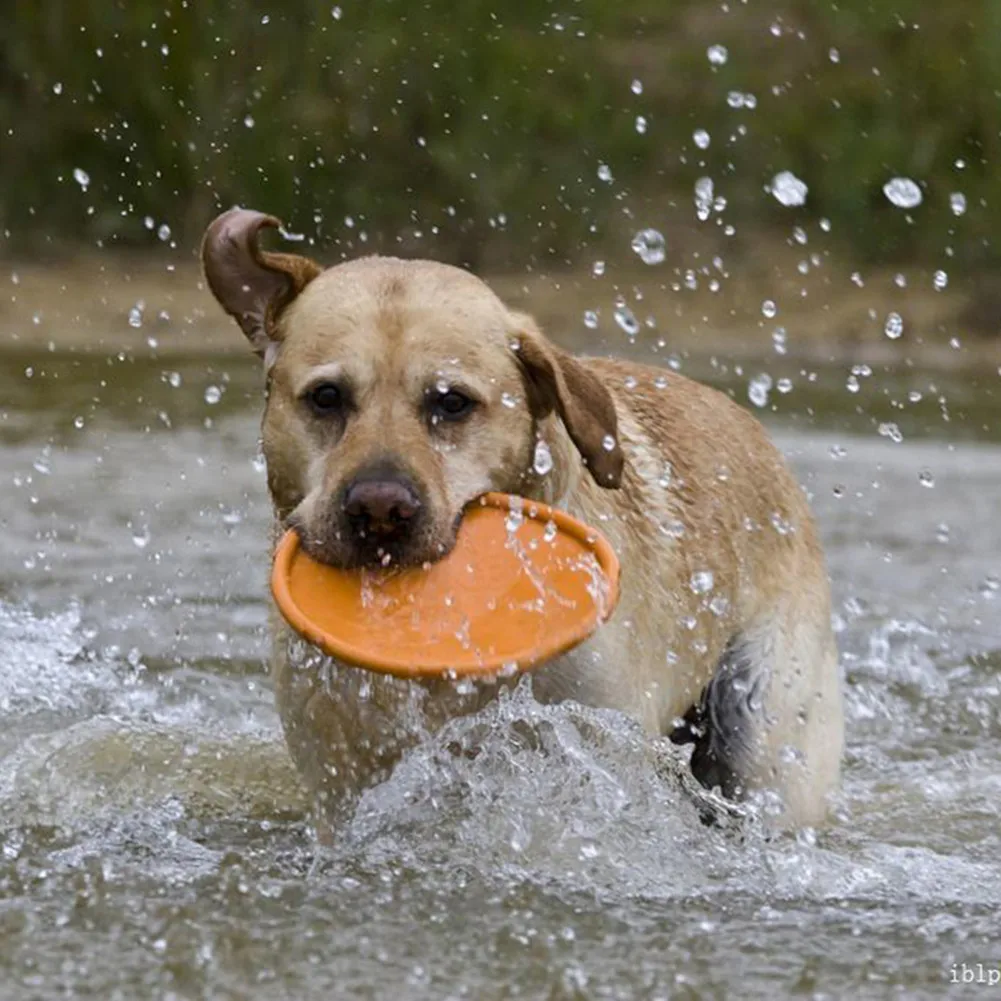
pixel 702 581
pixel 704 197
pixel 213 394
pixel 590 319
pixel 515 517
pixel 957 202
pixel 265 19
pixel 605 173
pixel 163 233
pixel 636 87
pixel 550 531
pixel 717 55
pixel 626 319
pixel 141 537
pixel 736 99
pixel 248 121
pixel 608 443
pixel 78 423
pixel 719 606
pixel 136 314
pixel 336 13
pixel 852 384
pixel 598 269
pixel 940 280
pixel 758 388
pixel 779 340
pixel 903 192
pixel 81 177
pixel 543 461
pixel 701 138
pixel 788 189
pixel 649 245
pixel 673 529
pixel 894 326
pixel 768 309
pixel 779 523
pixel 784 385
pixel 890 430
pixel 641 124
pixel 926 479
pixel 834 56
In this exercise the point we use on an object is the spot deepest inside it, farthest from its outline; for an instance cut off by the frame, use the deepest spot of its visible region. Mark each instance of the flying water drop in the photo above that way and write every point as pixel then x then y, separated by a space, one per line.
pixel 903 192
pixel 788 189
pixel 626 319
pixel 717 55
pixel 758 389
pixel 894 326
pixel 543 461
pixel 648 244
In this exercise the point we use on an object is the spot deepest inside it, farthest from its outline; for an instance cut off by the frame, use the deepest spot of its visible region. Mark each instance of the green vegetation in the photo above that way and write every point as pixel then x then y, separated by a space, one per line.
pixel 438 124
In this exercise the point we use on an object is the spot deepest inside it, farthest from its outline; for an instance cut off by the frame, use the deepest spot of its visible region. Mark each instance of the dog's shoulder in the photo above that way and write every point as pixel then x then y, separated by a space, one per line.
pixel 695 454
pixel 685 420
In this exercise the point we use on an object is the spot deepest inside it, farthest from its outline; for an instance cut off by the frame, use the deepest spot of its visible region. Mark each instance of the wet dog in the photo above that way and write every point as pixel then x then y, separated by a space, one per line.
pixel 400 390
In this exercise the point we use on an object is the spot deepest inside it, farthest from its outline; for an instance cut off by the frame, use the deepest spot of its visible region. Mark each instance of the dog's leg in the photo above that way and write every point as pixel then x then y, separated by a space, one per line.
pixel 722 723
pixel 770 718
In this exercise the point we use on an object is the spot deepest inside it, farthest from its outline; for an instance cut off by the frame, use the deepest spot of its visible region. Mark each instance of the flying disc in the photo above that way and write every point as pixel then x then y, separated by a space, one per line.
pixel 523 583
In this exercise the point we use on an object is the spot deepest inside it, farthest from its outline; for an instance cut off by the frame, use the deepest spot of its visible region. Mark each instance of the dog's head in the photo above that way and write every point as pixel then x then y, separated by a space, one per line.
pixel 398 391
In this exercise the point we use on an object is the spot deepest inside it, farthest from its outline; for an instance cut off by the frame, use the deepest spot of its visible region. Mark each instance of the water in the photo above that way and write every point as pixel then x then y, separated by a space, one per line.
pixel 153 842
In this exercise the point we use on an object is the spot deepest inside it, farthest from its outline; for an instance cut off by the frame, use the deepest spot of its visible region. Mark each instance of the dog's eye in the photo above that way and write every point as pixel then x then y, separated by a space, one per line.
pixel 451 405
pixel 325 398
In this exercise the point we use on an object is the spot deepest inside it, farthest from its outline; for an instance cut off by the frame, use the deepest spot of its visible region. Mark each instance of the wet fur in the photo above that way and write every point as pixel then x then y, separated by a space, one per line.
pixel 746 670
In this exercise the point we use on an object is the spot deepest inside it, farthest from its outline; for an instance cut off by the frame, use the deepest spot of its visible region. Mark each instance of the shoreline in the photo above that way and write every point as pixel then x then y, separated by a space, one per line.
pixel 144 305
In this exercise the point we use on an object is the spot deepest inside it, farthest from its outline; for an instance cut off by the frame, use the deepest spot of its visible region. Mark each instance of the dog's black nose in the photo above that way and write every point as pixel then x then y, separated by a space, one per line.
pixel 381 508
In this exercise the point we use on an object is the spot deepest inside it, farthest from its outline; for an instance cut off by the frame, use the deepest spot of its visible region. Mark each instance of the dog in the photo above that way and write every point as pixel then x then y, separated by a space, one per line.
pixel 398 391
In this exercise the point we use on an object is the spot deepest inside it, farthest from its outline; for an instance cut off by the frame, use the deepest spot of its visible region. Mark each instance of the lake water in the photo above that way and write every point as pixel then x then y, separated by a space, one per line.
pixel 153 841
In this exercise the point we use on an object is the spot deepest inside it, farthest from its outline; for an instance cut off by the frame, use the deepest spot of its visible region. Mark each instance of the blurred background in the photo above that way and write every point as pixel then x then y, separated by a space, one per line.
pixel 842 153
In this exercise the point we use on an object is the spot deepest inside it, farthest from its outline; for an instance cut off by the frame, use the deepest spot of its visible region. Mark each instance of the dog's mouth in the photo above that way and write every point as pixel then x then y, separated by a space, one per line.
pixel 344 550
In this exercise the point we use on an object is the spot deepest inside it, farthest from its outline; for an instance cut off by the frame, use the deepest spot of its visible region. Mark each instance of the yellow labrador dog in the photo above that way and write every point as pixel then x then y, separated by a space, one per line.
pixel 400 390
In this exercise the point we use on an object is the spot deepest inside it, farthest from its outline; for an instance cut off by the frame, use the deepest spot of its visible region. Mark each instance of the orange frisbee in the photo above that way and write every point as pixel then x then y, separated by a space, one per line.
pixel 523 583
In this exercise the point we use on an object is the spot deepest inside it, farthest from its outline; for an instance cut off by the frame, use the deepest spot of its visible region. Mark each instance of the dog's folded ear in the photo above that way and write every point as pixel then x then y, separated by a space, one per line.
pixel 558 381
pixel 251 284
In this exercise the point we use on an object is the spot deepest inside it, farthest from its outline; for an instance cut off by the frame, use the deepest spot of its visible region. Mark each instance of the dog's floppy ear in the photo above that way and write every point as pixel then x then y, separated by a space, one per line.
pixel 251 284
pixel 558 381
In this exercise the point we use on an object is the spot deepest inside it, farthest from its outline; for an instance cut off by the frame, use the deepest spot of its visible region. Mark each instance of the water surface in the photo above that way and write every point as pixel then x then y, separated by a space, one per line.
pixel 153 841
